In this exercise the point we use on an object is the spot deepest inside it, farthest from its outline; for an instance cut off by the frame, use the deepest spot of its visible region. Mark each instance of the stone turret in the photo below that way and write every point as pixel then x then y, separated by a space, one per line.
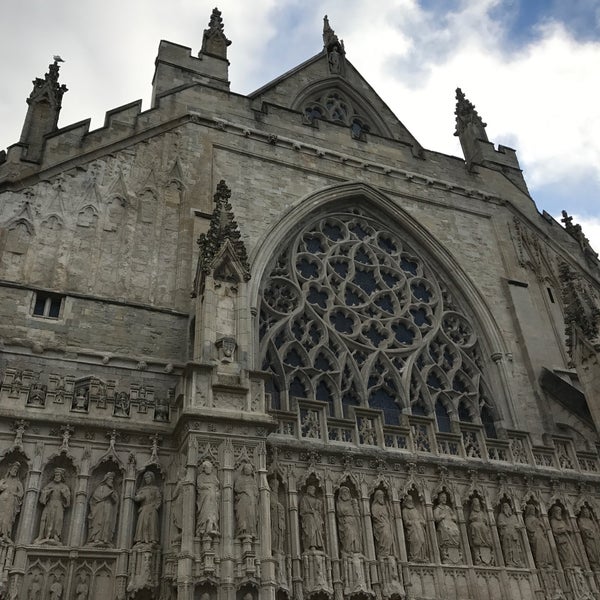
pixel 176 67
pixel 44 102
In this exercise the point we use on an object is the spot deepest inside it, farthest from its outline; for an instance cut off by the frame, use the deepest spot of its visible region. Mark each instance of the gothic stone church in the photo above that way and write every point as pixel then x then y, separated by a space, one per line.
pixel 269 347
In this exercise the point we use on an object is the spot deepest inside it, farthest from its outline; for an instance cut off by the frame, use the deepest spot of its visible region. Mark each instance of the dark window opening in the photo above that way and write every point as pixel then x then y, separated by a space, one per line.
pixel 550 295
pixel 47 305
pixel 442 417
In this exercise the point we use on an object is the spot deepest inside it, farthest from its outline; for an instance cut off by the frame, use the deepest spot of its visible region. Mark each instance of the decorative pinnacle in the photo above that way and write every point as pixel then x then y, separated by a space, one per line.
pixel 466 115
pixel 49 84
pixel 214 40
pixel 223 227
pixel 329 38
pixel 576 232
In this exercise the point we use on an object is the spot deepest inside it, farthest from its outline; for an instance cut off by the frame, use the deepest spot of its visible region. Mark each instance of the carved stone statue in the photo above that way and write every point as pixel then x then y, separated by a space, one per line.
pixel 561 530
pixel 207 500
pixel 56 588
pixel 447 529
pixel 590 536
pixel 104 505
pixel 277 519
pixel 149 498
pixel 383 529
pixel 311 515
pixel 416 531
pixel 246 496
pixel 55 497
pixel 508 530
pixel 481 535
pixel 540 548
pixel 35 589
pixel 348 518
pixel 82 589
pixel 11 494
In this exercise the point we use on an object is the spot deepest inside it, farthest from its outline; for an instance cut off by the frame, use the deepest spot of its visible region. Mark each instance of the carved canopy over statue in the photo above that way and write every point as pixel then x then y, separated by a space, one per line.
pixel 149 498
pixel 104 505
pixel 11 494
pixel 56 497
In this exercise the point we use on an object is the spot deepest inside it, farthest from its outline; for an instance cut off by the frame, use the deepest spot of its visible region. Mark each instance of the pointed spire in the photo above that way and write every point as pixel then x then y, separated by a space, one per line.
pixel 223 228
pixel 329 37
pixel 214 40
pixel 44 102
pixel 468 118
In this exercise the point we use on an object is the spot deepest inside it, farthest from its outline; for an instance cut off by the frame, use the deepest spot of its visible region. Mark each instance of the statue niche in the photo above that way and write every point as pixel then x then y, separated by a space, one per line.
pixel 536 532
pixel 563 536
pixel 315 563
pixel 448 534
pixel 278 533
pixel 351 541
pixel 383 533
pixel 510 538
pixel 246 502
pixel 103 508
pixel 480 534
pixel 590 535
pixel 11 496
pixel 144 563
pixel 56 498
pixel 415 530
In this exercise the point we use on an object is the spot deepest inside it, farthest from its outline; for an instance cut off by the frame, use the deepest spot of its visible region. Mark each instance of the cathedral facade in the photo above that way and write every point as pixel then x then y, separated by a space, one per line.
pixel 269 347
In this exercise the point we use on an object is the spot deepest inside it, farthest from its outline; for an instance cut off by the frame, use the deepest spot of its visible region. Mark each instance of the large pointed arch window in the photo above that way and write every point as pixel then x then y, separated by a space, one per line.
pixel 352 314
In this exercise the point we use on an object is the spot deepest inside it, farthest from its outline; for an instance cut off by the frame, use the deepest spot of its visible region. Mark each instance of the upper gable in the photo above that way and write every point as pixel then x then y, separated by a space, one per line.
pixel 330 85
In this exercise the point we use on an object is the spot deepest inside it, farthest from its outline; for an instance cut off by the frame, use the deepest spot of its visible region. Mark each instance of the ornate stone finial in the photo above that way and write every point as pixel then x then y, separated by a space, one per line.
pixel 468 118
pixel 214 40
pixel 329 37
pixel 66 431
pixel 580 308
pixel 223 229
pixel 576 232
pixel 49 86
pixel 155 440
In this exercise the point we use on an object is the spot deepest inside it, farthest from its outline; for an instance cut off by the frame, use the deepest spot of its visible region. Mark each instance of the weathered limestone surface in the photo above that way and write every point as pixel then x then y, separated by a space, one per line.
pixel 268 346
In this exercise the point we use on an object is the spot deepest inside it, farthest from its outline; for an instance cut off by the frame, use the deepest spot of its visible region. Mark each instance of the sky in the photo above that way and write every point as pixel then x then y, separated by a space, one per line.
pixel 531 67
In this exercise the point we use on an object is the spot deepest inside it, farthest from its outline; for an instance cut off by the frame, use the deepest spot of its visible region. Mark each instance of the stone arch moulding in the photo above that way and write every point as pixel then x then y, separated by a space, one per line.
pixel 378 204
pixel 334 84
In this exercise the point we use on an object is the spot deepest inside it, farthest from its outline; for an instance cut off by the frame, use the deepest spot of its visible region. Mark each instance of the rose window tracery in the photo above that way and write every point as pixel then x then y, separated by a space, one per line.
pixel 351 314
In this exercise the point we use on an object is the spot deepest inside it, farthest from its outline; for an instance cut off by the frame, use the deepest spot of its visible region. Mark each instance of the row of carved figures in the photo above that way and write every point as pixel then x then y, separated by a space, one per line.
pixel 571 536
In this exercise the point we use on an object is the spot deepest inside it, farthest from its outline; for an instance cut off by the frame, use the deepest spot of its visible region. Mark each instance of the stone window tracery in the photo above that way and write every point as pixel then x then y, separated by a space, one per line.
pixel 338 108
pixel 352 315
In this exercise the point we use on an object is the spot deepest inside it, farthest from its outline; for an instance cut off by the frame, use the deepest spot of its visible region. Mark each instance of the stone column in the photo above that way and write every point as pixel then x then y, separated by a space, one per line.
pixel 26 529
pixel 126 522
pixel 369 540
pixel 79 514
pixel 227 525
pixel 296 550
pixel 185 560
pixel 332 539
pixel 267 574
